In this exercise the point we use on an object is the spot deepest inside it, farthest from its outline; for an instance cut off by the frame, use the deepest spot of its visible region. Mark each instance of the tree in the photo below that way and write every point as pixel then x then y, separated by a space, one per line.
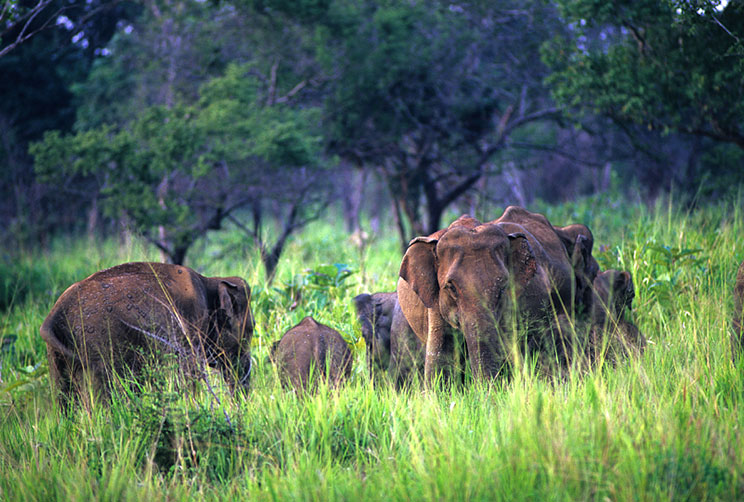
pixel 274 145
pixel 668 65
pixel 45 46
pixel 95 20
pixel 188 168
pixel 429 94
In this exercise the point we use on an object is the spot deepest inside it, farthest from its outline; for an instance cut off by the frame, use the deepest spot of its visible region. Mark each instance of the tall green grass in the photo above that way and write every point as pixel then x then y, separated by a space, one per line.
pixel 662 426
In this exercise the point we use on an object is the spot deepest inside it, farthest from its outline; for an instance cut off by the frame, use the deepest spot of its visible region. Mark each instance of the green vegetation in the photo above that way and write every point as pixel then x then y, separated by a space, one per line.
pixel 664 426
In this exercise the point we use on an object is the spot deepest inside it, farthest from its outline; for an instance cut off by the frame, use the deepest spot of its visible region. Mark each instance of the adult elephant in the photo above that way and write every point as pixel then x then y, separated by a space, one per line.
pixel 473 278
pixel 118 319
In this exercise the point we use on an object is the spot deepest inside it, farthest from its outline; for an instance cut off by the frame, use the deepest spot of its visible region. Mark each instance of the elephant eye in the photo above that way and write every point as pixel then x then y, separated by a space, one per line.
pixel 451 289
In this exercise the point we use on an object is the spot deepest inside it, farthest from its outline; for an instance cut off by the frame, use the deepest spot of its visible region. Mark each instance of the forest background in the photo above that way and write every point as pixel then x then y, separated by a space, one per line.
pixel 174 119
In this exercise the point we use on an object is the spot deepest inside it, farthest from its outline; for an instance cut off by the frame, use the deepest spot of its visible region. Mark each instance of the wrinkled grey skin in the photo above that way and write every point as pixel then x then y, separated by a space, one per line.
pixel 310 350
pixel 391 343
pixel 612 296
pixel 118 318
pixel 737 339
pixel 471 278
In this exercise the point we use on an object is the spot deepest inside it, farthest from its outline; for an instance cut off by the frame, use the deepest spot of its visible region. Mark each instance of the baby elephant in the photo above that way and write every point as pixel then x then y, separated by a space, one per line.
pixel 738 336
pixel 311 349
pixel 391 343
pixel 612 295
pixel 117 320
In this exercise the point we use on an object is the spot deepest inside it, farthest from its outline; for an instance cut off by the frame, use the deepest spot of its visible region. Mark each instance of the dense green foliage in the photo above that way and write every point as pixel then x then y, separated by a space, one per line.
pixel 664 66
pixel 664 425
pixel 132 109
pixel 185 169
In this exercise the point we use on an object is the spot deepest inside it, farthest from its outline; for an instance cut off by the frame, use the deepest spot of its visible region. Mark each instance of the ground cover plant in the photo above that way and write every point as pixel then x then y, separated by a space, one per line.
pixel 665 425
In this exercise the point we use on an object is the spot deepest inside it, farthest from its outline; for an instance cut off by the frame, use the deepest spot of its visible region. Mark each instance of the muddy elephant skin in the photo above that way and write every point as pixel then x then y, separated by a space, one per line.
pixel 392 345
pixel 738 331
pixel 118 319
pixel 311 350
pixel 474 278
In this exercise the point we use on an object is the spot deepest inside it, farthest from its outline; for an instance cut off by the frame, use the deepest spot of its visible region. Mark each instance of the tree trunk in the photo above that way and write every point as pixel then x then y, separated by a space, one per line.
pixel 92 226
pixel 399 225
pixel 178 256
pixel 434 211
pixel 270 261
pixel 353 186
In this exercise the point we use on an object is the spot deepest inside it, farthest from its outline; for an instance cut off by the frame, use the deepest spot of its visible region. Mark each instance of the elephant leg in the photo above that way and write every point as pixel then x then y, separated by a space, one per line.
pixel 440 350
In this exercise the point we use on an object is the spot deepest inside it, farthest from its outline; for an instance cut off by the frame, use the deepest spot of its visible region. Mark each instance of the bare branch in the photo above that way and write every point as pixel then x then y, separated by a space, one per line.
pixel 719 23
pixel 24 34
pixel 270 100
pixel 292 92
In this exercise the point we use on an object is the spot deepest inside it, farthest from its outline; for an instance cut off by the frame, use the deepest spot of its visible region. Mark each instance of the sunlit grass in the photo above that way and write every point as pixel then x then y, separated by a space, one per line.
pixel 662 426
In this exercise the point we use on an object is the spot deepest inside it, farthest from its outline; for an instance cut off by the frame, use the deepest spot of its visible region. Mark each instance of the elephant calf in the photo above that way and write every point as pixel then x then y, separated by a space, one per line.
pixel 118 319
pixel 310 350
pixel 391 343
pixel 738 335
pixel 612 295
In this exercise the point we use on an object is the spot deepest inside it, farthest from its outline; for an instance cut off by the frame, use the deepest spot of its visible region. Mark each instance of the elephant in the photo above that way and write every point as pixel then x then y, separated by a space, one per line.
pixel 311 349
pixel 391 343
pixel 612 296
pixel 579 241
pixel 117 320
pixel 605 332
pixel 481 280
pixel 738 331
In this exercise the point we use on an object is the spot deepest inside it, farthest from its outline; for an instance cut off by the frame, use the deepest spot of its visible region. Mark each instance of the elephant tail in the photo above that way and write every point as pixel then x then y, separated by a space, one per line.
pixel 51 335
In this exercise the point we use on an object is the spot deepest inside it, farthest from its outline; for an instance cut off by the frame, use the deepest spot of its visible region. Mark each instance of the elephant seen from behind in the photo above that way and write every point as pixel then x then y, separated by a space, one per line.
pixel 310 351
pixel 119 319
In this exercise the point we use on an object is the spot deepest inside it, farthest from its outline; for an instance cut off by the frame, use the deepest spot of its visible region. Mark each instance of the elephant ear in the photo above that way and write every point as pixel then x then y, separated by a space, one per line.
pixel 623 287
pixel 365 313
pixel 234 296
pixel 521 259
pixel 419 269
pixel 580 254
pixel 581 262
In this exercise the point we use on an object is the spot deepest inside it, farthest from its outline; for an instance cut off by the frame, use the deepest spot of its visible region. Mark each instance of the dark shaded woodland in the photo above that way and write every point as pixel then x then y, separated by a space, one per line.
pixel 175 118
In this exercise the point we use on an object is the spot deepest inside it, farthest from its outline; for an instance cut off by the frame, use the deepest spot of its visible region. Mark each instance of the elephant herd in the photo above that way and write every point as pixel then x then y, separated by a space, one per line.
pixel 472 293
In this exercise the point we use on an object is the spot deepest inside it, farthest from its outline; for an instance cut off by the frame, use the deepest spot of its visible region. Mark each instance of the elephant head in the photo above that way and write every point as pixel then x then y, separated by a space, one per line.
pixel 613 294
pixel 116 320
pixel 391 343
pixel 375 314
pixel 579 241
pixel 472 277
